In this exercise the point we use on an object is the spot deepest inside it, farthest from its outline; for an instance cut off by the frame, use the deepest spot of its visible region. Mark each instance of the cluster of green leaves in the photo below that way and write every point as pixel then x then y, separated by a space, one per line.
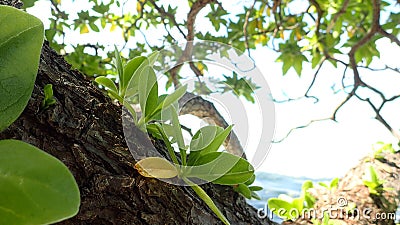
pixel 305 201
pixel 381 148
pixel 201 158
pixel 137 80
pixel 317 33
pixel 49 99
pixel 332 185
pixel 372 181
pixel 35 187
pixel 240 87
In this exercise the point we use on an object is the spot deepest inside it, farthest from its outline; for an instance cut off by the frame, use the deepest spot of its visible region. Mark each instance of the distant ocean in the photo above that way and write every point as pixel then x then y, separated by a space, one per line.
pixel 274 185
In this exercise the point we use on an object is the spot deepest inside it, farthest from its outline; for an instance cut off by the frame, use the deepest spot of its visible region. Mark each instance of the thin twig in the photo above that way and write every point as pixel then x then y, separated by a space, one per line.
pixel 300 127
pixel 246 23
pixel 171 17
pixel 187 53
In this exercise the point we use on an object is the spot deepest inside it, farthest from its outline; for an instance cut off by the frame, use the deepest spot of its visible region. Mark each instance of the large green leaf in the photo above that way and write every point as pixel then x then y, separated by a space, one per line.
pixel 28 3
pixel 281 207
pixel 221 168
pixel 170 99
pixel 204 137
pixel 131 78
pixel 148 91
pixel 35 187
pixel 202 144
pixel 120 68
pixel 176 127
pixel 21 39
pixel 107 83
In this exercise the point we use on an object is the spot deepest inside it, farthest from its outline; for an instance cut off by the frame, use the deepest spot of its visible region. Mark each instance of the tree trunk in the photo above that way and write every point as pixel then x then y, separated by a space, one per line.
pixel 83 129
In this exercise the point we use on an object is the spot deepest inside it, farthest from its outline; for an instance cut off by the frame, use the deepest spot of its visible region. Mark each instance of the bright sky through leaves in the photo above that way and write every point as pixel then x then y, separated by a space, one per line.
pixel 324 149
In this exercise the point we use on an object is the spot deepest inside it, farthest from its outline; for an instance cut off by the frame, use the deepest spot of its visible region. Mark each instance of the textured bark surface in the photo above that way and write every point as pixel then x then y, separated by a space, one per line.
pixel 83 129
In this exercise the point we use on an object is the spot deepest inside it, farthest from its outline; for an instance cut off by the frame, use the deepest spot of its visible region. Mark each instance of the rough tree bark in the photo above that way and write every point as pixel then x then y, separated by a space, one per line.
pixel 83 129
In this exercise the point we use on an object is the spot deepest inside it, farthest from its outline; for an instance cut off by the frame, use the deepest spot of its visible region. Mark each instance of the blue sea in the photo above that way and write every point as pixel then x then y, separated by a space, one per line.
pixel 275 184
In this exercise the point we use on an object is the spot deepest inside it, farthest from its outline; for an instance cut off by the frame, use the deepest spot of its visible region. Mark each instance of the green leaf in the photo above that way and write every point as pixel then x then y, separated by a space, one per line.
pixel 323 185
pixel 255 195
pixel 153 57
pixel 306 196
pixel 251 180
pixel 210 203
pixel 213 145
pixel 107 83
pixel 298 204
pixel 334 183
pixel 176 127
pixel 275 204
pixel 221 168
pixel 244 190
pixel 326 219
pixel 131 76
pixel 148 91
pixel 20 45
pixel 156 167
pixel 316 59
pixel 36 188
pixel 48 91
pixel 306 185
pixel 169 100
pixel 204 137
pixel 94 27
pixel 48 96
pixel 309 200
pixel 102 8
pixel 152 129
pixel 175 96
pixel 120 69
pixel 28 3
pixel 255 188
pixel 370 184
pixel 373 175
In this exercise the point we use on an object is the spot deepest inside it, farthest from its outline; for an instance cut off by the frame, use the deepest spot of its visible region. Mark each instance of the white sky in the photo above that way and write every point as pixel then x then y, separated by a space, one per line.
pixel 324 149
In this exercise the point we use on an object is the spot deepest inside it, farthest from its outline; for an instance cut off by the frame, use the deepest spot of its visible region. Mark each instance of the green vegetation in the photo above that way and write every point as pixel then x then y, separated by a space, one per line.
pixel 20 44
pixel 49 99
pixel 381 147
pixel 291 205
pixel 372 181
pixel 332 185
pixel 160 118
pixel 36 188
pixel 343 34
pixel 317 34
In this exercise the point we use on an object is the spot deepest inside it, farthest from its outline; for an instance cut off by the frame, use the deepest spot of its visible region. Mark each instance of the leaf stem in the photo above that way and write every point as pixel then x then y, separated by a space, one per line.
pixel 168 144
pixel 204 196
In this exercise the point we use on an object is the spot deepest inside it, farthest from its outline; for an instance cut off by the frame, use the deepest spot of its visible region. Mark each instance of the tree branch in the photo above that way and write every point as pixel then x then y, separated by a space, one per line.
pixel 300 127
pixel 187 53
pixel 246 23
pixel 165 14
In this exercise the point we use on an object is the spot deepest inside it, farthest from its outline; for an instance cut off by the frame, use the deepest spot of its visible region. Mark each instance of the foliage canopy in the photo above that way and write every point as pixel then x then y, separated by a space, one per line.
pixel 343 33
